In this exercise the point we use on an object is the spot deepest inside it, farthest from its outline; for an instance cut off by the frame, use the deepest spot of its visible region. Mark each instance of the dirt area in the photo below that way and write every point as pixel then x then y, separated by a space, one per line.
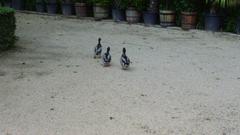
pixel 180 82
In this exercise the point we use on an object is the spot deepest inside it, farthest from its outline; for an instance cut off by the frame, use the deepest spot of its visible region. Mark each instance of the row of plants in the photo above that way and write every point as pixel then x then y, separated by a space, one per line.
pixel 7 28
pixel 211 15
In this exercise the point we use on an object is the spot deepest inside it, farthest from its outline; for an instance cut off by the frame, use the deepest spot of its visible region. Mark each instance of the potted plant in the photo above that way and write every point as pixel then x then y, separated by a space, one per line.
pixel 118 10
pixel 67 7
pixel 212 17
pixel 150 16
pixel 187 10
pixel 18 4
pixel 166 13
pixel 81 8
pixel 40 6
pixel 51 6
pixel 133 12
pixel 101 8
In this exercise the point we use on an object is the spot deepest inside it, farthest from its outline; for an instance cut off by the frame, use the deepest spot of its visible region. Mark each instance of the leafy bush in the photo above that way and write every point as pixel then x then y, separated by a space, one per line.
pixel 119 4
pixel 139 4
pixel 101 2
pixel 167 5
pixel 7 27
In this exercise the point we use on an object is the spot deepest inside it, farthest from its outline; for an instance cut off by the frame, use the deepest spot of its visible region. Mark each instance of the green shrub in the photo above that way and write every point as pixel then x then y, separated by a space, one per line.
pixel 7 27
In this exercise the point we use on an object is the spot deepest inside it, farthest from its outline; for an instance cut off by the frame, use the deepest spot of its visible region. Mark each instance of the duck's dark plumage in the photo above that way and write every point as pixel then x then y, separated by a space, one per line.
pixel 106 59
pixel 124 60
pixel 98 49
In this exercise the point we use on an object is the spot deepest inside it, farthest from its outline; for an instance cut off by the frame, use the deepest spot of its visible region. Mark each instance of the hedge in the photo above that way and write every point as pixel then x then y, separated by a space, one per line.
pixel 7 27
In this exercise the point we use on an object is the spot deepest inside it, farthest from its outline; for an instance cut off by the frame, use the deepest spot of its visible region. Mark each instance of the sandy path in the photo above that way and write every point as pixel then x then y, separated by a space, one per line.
pixel 180 83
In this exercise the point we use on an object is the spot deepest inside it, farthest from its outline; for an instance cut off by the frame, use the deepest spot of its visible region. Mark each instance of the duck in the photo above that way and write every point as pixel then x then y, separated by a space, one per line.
pixel 124 60
pixel 106 58
pixel 98 49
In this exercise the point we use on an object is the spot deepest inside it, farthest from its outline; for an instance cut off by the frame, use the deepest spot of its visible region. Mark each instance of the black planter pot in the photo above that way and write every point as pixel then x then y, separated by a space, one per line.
pixel 40 7
pixel 150 18
pixel 17 4
pixel 212 22
pixel 238 26
pixel 118 15
pixel 7 4
pixel 67 8
pixel 52 8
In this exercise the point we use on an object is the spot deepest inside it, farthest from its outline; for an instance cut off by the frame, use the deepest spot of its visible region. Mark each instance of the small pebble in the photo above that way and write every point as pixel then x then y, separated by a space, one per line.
pixel 52 109
pixel 23 63
pixel 111 118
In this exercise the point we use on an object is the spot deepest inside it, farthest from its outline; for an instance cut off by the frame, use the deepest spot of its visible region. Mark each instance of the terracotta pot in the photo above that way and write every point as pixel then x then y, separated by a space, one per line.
pixel 167 18
pixel 189 20
pixel 100 12
pixel 132 15
pixel 81 9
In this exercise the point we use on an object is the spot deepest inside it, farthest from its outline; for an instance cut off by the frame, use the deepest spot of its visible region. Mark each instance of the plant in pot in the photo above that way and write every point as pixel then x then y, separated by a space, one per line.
pixel 81 8
pixel 51 6
pixel 133 12
pixel 67 7
pixel 167 14
pixel 187 9
pixel 118 10
pixel 213 19
pixel 150 16
pixel 40 6
pixel 217 9
pixel 101 8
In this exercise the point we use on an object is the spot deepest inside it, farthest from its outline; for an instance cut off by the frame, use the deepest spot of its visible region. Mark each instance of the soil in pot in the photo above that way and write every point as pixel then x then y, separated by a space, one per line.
pixel 189 20
pixel 212 22
pixel 67 8
pixel 52 8
pixel 17 4
pixel 100 12
pixel 150 18
pixel 132 15
pixel 40 7
pixel 238 26
pixel 81 9
pixel 118 15
pixel 167 18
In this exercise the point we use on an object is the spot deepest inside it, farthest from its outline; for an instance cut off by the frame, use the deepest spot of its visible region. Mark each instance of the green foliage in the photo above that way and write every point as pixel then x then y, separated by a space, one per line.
pixel 101 2
pixel 120 4
pixel 7 27
pixel 185 5
pixel 81 1
pixel 167 5
pixel 139 4
pixel 30 4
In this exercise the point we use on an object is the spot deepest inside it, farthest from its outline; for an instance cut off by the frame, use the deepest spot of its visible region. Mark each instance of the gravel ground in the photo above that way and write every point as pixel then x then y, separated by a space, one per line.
pixel 179 83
